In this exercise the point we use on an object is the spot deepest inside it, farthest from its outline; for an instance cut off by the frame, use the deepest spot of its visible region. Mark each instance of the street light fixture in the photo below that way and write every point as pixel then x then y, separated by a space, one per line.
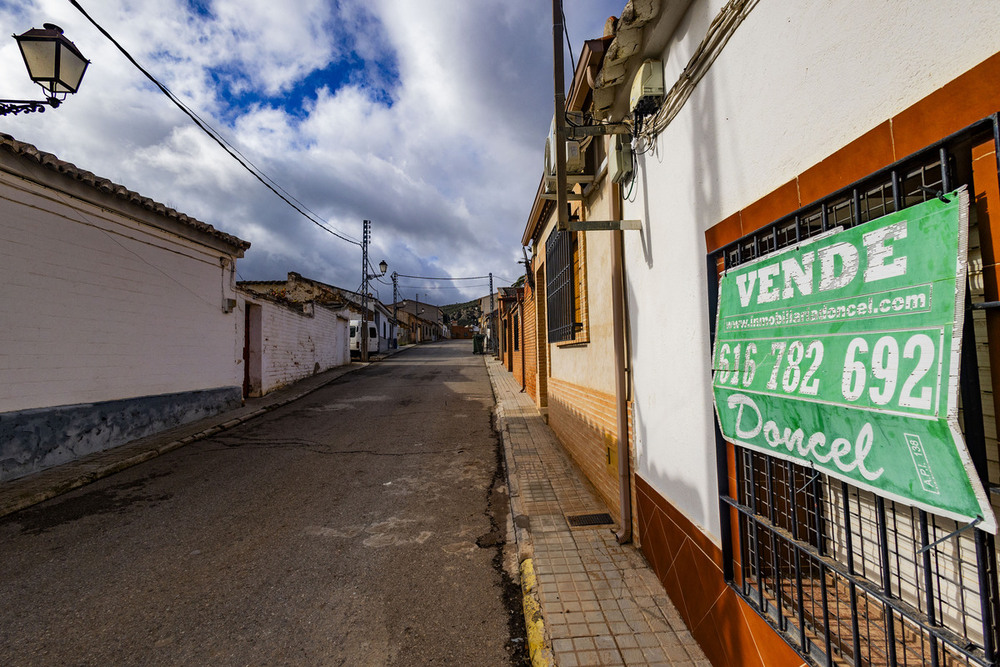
pixel 53 62
pixel 383 267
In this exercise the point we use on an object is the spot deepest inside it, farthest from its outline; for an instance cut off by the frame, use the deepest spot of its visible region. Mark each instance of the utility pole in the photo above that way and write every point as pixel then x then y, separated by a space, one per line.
pixel 492 319
pixel 562 214
pixel 366 233
pixel 395 302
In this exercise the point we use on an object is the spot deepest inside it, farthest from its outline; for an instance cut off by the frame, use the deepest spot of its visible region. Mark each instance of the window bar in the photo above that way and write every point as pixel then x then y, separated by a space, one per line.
pixel 775 559
pixel 883 550
pixel 817 506
pixel 929 587
pixel 774 237
pixel 792 509
pixel 756 246
pixel 721 447
pixel 986 559
pixel 756 534
pixel 897 191
pixel 798 229
pixel 741 459
pixel 849 543
pixel 824 217
pixel 827 643
pixel 897 552
pixel 856 205
pixel 945 179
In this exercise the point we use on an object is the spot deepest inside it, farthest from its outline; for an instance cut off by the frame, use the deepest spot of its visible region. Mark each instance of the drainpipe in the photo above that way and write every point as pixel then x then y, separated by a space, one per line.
pixel 624 534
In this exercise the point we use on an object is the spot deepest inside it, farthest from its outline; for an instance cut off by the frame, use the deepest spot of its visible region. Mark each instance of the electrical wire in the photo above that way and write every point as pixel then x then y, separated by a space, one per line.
pixel 566 32
pixel 257 173
pixel 720 31
pixel 403 275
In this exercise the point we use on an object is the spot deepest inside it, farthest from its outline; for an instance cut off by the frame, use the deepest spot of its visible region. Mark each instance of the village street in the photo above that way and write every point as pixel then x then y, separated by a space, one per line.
pixel 354 526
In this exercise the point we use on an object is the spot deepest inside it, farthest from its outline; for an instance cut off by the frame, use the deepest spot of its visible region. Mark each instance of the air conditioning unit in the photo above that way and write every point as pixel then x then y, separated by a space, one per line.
pixel 647 88
pixel 620 158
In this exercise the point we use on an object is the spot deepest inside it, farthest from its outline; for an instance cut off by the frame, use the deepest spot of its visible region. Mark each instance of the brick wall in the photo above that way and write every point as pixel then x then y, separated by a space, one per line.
pixel 584 421
pixel 530 344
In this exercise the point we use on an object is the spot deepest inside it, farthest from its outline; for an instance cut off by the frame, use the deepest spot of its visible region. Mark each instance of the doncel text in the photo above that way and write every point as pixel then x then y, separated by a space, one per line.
pixel 847 455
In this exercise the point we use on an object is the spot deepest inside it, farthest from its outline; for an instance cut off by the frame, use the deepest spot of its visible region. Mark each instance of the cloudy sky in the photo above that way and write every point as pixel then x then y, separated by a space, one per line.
pixel 427 117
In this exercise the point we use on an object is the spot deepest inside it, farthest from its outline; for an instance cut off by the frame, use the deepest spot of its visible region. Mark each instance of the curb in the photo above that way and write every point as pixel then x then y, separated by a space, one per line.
pixel 539 647
pixel 93 474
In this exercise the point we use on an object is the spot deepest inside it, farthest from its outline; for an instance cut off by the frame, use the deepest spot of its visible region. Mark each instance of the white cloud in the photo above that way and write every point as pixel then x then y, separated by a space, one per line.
pixel 436 135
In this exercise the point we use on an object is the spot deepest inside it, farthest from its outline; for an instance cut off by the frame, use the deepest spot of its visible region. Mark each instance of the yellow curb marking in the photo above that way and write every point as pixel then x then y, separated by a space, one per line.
pixel 540 655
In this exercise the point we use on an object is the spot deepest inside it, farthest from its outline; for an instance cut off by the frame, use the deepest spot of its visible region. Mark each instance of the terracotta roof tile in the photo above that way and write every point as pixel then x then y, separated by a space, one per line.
pixel 50 161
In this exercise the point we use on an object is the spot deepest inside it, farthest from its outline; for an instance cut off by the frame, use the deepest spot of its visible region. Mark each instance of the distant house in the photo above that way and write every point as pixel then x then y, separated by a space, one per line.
pixel 461 332
pixel 298 289
pixel 426 321
pixel 117 313
pixel 287 339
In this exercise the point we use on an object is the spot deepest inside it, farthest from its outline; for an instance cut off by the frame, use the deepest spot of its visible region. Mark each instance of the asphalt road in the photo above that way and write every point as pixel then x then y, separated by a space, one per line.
pixel 360 525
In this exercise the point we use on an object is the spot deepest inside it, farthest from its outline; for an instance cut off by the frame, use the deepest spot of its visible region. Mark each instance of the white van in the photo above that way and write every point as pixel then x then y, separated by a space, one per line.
pixel 356 338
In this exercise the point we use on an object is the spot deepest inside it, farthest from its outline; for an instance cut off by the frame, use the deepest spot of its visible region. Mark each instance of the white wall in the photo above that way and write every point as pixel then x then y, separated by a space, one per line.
pixel 796 82
pixel 296 345
pixel 96 307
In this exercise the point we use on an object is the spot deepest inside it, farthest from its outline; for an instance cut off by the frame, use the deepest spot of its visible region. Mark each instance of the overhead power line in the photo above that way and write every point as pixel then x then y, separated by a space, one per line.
pixel 403 275
pixel 266 180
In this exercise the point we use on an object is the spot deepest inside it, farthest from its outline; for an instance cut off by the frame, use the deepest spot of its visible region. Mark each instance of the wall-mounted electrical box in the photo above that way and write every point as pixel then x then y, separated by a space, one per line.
pixel 647 88
pixel 620 158
pixel 575 156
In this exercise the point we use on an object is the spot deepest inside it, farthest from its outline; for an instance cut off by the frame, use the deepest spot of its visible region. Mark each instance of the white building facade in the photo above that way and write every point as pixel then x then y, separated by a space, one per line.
pixel 286 342
pixel 805 113
pixel 118 314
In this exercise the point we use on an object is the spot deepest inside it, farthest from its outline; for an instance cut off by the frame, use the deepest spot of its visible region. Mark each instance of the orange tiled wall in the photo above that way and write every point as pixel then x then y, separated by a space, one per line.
pixel 689 565
pixel 583 419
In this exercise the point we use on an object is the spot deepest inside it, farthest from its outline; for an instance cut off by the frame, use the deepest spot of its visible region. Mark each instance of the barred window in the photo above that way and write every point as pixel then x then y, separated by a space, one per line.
pixel 560 282
pixel 846 576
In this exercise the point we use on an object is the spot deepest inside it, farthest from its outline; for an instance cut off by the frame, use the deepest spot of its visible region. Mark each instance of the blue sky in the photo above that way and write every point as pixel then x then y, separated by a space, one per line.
pixel 427 117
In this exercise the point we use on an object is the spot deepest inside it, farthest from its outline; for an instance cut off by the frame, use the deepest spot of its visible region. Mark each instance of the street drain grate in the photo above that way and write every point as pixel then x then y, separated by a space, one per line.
pixel 582 520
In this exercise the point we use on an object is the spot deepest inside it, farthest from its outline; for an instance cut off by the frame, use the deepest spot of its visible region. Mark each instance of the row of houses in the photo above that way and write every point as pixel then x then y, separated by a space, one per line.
pixel 122 317
pixel 775 123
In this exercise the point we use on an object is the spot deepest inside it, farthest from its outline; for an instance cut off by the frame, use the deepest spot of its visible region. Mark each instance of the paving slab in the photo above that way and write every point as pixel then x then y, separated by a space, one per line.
pixel 599 602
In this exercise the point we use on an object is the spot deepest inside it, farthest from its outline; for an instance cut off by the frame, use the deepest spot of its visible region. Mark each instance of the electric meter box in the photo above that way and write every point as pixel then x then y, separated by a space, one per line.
pixel 647 87
pixel 620 158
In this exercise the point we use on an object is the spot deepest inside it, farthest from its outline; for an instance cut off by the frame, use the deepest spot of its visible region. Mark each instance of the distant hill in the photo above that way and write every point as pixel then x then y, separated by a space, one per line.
pixel 463 314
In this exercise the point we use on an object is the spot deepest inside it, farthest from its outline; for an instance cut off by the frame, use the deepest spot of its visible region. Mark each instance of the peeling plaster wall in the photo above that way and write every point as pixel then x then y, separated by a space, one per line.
pixel 295 345
pixel 32 440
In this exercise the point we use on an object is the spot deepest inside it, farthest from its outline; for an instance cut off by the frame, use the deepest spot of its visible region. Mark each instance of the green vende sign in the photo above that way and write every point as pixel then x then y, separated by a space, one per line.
pixel 842 354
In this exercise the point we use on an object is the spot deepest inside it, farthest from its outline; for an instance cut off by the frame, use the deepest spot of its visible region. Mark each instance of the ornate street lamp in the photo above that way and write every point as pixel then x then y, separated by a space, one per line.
pixel 53 62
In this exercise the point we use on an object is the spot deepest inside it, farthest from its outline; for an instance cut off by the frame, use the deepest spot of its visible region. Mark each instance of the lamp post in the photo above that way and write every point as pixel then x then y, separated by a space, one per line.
pixel 383 266
pixel 53 62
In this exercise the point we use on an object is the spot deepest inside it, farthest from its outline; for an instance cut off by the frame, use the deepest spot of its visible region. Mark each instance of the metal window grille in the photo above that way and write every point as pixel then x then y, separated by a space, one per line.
pixel 843 574
pixel 559 282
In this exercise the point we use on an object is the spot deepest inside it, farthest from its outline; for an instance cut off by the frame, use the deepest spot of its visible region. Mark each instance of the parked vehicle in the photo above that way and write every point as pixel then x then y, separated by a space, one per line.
pixel 356 336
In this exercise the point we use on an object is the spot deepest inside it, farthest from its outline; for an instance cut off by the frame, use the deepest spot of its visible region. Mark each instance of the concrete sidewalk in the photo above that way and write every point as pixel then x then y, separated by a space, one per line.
pixel 588 600
pixel 23 492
